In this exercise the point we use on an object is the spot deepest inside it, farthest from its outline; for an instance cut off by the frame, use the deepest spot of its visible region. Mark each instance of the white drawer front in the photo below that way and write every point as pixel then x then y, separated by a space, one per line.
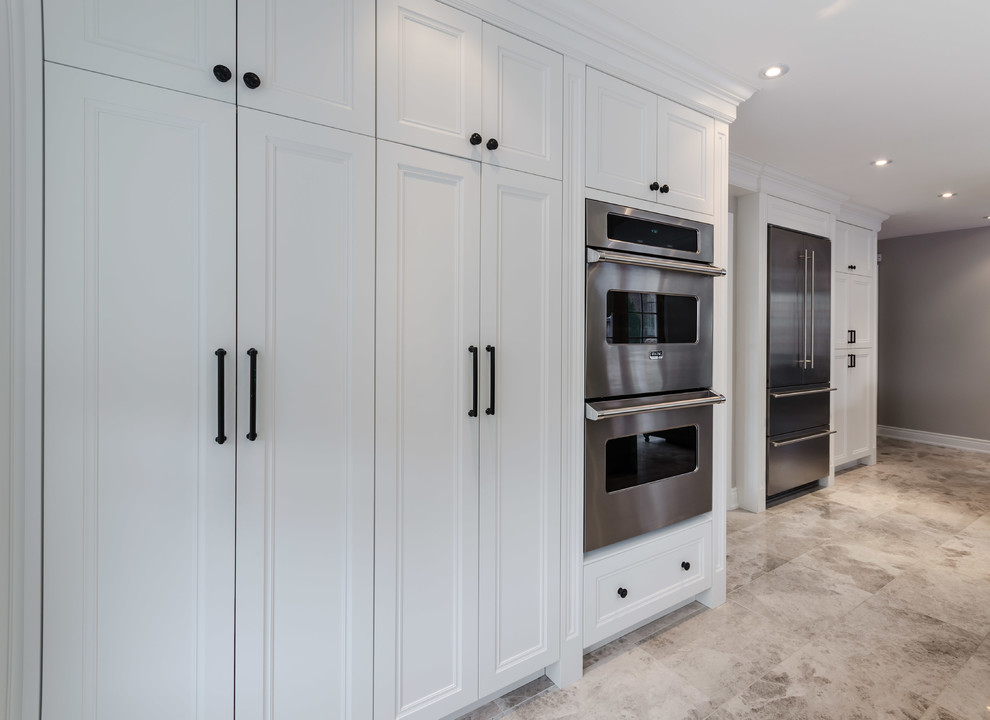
pixel 627 587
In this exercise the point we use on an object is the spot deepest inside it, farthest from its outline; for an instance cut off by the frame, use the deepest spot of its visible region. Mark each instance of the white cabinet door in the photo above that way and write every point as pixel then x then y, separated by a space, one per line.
pixel 426 504
pixel 840 402
pixel 522 108
pixel 429 76
pixel 685 162
pixel 859 310
pixel 855 249
pixel 840 314
pixel 858 405
pixel 315 60
pixel 621 137
pixel 520 427
pixel 305 500
pixel 171 43
pixel 139 494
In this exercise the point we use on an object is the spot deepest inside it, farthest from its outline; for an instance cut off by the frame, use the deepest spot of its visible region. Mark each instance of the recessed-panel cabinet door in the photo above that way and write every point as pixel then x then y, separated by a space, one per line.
pixel 305 501
pixel 315 60
pixel 860 308
pixel 429 76
pixel 139 493
pixel 686 144
pixel 520 426
pixel 522 109
pixel 840 314
pixel 858 405
pixel 170 43
pixel 621 137
pixel 426 430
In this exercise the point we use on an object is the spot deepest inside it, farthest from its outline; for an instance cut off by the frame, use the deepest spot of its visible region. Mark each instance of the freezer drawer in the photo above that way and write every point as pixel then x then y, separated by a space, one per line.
pixel 797 459
pixel 791 410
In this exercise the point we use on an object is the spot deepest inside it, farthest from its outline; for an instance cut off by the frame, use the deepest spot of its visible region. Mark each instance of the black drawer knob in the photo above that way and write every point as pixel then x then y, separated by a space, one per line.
pixel 686 565
pixel 623 592
pixel 654 186
pixel 664 188
pixel 475 139
pixel 492 144
pixel 252 81
pixel 852 267
pixel 222 73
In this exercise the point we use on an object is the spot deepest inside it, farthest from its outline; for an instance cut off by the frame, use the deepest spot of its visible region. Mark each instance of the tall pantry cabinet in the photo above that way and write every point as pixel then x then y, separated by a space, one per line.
pixel 209 361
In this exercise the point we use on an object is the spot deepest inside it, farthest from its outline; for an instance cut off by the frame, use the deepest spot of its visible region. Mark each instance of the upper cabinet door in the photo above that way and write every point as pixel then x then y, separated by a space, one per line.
pixel 522 105
pixel 171 43
pixel 315 60
pixel 429 76
pixel 305 497
pixel 856 249
pixel 621 137
pixel 139 493
pixel 686 144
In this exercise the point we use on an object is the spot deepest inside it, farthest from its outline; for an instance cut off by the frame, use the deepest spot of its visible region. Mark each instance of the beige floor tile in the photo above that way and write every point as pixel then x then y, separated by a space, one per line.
pixel 968 694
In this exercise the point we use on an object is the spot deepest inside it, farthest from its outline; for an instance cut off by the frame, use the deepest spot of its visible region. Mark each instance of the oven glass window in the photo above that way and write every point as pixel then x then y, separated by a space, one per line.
pixel 645 458
pixel 633 317
pixel 651 233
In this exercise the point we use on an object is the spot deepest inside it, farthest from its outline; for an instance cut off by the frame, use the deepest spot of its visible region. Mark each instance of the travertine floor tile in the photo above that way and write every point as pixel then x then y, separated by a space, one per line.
pixel 968 695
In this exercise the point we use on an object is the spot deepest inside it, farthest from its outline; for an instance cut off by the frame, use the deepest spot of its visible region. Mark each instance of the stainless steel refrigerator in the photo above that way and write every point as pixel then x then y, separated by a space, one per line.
pixel 798 359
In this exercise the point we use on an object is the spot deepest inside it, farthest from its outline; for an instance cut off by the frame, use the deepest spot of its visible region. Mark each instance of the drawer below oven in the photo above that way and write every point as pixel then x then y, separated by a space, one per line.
pixel 642 579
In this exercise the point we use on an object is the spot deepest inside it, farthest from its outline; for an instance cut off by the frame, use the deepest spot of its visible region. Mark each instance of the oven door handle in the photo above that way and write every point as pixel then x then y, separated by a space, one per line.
pixel 594 411
pixel 650 262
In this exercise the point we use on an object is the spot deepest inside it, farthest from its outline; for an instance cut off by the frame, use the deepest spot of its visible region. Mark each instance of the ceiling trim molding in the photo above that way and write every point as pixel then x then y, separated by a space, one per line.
pixel 610 44
pixel 759 177
pixel 861 216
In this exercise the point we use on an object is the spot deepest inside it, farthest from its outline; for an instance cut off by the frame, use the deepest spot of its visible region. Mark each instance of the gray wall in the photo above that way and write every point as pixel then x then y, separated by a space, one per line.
pixel 934 333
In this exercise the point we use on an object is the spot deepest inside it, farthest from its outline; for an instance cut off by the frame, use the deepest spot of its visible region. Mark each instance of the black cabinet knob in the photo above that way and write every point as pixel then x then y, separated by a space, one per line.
pixel 665 188
pixel 686 565
pixel 654 186
pixel 475 139
pixel 492 144
pixel 222 73
pixel 252 81
pixel 852 267
pixel 623 592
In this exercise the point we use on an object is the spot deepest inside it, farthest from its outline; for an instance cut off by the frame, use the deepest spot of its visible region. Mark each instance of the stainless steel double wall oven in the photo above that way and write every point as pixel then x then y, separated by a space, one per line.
pixel 649 343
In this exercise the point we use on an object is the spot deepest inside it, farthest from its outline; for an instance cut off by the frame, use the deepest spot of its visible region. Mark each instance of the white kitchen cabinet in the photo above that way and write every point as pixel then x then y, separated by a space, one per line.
pixel 855 249
pixel 647 147
pixel 451 83
pixel 305 479
pixel 139 489
pixel 454 300
pixel 853 310
pixel 314 59
pixel 853 404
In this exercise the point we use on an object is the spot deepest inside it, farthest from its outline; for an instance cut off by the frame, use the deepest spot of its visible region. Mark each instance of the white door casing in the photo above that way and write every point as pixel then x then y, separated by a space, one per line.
pixel 139 496
pixel 306 482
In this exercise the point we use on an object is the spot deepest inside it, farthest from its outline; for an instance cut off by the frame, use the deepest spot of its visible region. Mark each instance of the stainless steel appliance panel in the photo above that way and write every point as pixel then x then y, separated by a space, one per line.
pixel 794 409
pixel 649 330
pixel 646 470
pixel 616 227
pixel 797 459
pixel 798 308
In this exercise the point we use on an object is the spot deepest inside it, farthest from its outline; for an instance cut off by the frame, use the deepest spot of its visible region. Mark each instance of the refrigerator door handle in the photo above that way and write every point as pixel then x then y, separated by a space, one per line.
pixel 812 309
pixel 804 312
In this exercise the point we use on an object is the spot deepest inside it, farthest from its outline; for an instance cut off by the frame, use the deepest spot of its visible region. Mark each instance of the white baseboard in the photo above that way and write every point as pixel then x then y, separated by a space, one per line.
pixel 930 438
pixel 733 499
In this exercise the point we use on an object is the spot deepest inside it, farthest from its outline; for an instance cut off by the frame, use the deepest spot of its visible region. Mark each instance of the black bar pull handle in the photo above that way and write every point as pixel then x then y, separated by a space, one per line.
pixel 491 391
pixel 852 361
pixel 854 335
pixel 473 412
pixel 221 354
pixel 253 425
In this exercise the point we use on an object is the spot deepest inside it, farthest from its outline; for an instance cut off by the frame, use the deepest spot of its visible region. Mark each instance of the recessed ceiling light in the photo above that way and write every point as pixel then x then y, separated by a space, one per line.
pixel 947 195
pixel 881 162
pixel 772 72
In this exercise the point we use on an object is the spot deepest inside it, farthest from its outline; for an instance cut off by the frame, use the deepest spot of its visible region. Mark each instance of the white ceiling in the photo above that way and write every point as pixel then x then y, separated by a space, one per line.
pixel 903 79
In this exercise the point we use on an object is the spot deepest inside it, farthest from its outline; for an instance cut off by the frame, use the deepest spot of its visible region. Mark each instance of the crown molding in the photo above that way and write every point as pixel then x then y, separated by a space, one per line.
pixel 862 216
pixel 760 177
pixel 614 46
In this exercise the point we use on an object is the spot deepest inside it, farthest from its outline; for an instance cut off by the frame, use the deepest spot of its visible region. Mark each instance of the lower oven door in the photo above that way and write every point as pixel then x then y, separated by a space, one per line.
pixel 648 464
pixel 649 327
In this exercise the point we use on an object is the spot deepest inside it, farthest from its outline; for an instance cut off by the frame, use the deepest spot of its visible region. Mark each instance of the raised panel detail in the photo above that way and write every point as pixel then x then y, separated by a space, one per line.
pixel 305 485
pixel 139 497
pixel 685 159
pixel 520 470
pixel 426 444
pixel 316 60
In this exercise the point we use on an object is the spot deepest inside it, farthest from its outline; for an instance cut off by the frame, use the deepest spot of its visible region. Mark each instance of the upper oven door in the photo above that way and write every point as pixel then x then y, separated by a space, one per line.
pixel 649 330
pixel 614 227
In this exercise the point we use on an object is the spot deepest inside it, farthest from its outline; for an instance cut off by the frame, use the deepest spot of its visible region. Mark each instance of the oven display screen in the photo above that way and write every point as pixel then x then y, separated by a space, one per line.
pixel 635 318
pixel 652 234
pixel 645 458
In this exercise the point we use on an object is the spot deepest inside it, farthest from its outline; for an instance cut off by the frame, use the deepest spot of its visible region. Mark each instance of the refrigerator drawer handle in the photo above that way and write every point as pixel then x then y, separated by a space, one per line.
pixel 781 443
pixel 795 393
pixel 593 413
pixel 642 261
